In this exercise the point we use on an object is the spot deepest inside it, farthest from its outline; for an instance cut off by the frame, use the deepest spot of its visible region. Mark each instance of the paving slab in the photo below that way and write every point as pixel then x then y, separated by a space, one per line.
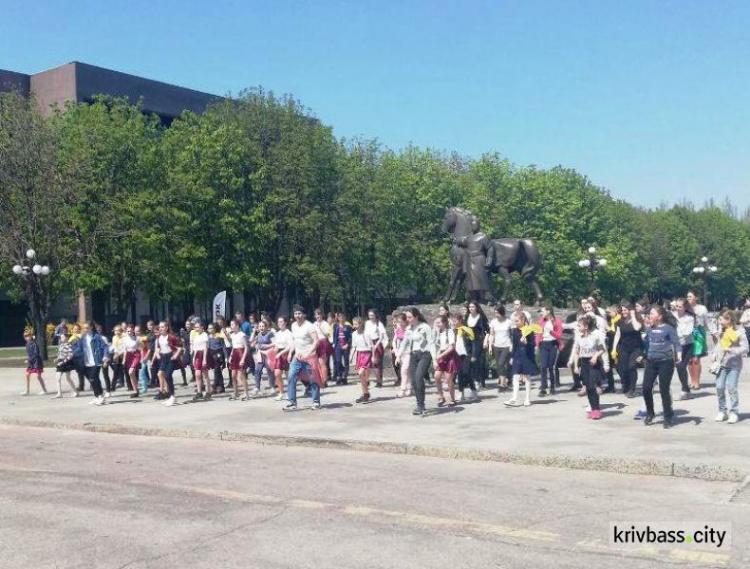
pixel 554 431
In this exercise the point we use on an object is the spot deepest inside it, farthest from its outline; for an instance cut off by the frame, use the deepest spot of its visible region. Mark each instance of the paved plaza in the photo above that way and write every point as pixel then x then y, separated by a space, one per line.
pixel 553 431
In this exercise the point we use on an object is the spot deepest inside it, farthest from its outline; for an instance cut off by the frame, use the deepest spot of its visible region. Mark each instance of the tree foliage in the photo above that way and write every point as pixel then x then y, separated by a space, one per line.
pixel 258 196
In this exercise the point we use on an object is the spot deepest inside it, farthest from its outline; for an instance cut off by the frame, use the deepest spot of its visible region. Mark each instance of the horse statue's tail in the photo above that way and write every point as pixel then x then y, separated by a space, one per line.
pixel 533 258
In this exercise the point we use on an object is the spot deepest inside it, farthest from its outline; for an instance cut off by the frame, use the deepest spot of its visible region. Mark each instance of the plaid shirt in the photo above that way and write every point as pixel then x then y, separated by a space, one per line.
pixel 64 352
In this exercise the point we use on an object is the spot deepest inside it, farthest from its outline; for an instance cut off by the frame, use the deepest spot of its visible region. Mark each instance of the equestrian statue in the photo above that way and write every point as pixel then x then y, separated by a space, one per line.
pixel 475 256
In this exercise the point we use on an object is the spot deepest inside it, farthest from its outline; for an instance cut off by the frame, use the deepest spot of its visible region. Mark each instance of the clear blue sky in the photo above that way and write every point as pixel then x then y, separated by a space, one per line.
pixel 648 98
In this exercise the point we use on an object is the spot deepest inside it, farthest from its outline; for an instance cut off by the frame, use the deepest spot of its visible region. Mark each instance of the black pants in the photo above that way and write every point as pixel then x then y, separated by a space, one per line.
pixel 576 380
pixel 682 372
pixel 217 356
pixel 167 366
pixel 118 375
pixel 465 378
pixel 80 372
pixel 610 375
pixel 92 374
pixel 591 377
pixel 419 367
pixel 107 383
pixel 664 370
pixel 502 357
pixel 629 369
pixel 479 369
pixel 153 372
pixel 548 356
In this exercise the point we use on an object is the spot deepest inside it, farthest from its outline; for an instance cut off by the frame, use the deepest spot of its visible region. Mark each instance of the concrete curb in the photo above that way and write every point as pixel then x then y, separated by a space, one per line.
pixel 650 467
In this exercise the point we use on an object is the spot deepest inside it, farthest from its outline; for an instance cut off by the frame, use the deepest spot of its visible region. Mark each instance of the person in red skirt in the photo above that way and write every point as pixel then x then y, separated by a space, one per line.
pixel 375 329
pixel 446 360
pixel 238 360
pixel 167 353
pixel 362 352
pixel 201 360
pixel 34 364
pixel 325 349
pixel 131 345
pixel 283 341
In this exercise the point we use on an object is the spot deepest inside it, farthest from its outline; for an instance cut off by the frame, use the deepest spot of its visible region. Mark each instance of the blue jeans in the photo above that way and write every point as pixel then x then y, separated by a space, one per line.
pixel 143 377
pixel 341 362
pixel 295 367
pixel 258 372
pixel 727 381
pixel 548 353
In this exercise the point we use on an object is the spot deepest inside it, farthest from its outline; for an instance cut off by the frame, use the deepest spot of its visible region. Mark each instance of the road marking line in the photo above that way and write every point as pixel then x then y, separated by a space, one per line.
pixel 699 556
pixel 702 557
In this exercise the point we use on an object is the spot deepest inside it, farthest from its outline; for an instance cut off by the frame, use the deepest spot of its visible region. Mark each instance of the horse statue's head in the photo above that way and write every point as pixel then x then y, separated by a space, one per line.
pixel 457 222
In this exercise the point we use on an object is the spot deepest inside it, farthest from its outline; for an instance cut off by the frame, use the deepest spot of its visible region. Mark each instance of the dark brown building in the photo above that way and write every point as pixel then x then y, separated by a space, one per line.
pixel 80 82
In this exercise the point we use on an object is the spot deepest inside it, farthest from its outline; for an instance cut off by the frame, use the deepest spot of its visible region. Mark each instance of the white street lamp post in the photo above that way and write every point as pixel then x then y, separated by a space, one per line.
pixel 593 263
pixel 32 274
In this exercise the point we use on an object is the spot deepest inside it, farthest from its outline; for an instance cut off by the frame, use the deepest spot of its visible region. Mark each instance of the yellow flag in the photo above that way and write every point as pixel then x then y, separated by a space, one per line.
pixel 728 338
pixel 531 329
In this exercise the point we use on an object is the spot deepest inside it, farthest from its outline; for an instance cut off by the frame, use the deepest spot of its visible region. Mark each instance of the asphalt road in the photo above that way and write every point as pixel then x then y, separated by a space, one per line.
pixel 72 499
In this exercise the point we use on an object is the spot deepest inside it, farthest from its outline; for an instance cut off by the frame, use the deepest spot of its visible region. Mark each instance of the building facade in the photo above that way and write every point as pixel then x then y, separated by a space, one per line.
pixel 79 83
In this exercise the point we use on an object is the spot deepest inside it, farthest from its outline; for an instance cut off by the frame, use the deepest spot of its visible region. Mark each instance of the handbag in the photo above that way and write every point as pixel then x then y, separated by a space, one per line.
pixel 714 368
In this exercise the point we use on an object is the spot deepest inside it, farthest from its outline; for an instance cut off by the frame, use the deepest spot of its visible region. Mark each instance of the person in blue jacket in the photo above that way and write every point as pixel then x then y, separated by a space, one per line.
pixel 92 351
pixel 342 342
pixel 34 363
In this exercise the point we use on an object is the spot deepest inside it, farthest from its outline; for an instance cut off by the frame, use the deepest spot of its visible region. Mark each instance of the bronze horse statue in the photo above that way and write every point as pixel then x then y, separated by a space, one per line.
pixel 502 256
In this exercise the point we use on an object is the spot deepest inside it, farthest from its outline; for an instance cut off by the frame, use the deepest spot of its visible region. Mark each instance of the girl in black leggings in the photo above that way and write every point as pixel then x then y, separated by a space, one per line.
pixel 685 328
pixel 663 348
pixel 422 350
pixel 590 358
pixel 627 345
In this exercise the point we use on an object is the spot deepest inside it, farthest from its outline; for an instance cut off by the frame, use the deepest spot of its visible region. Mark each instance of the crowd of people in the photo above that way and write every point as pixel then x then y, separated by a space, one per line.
pixel 456 352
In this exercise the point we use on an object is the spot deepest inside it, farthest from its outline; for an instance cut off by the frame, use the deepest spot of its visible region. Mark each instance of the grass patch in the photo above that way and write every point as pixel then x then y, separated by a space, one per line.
pixel 20 353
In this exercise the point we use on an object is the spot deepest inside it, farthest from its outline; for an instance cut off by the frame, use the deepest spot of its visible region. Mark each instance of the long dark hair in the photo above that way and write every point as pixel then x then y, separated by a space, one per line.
pixel 666 316
pixel 482 315
pixel 688 309
pixel 415 313
pixel 551 310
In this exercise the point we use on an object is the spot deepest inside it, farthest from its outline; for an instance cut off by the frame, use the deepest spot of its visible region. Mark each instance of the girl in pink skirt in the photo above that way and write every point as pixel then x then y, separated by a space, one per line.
pixel 201 360
pixel 325 349
pixel 279 356
pixel 362 354
pixel 131 344
pixel 446 360
pixel 237 360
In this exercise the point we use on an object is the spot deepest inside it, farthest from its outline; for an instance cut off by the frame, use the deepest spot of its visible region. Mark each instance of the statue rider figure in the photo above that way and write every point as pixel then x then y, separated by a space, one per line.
pixel 478 247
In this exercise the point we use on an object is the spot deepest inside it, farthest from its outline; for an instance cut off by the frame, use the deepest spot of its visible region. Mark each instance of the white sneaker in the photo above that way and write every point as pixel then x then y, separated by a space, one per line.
pixel 107 395
pixel 24 393
pixel 93 401
pixel 171 402
pixel 511 403
pixel 279 397
pixel 733 418
pixel 722 416
pixel 527 403
pixel 255 392
pixel 100 401
pixel 42 393
pixel 474 396
pixel 74 394
pixel 58 396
